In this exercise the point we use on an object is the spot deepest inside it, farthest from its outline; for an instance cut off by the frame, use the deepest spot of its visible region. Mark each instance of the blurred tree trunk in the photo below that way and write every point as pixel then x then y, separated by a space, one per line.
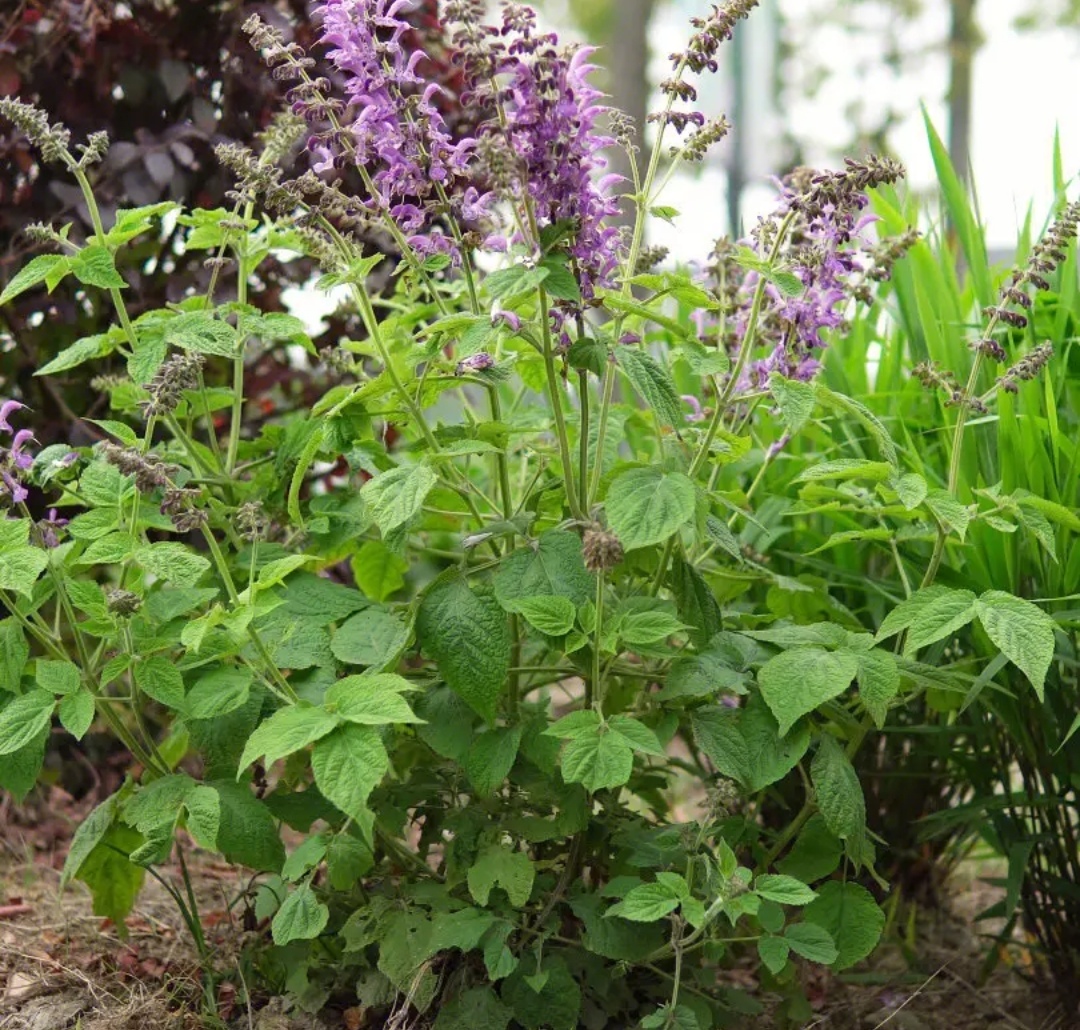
pixel 628 59
pixel 964 40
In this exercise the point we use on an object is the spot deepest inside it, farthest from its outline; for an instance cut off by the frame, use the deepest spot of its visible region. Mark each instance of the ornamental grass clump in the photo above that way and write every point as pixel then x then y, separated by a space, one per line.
pixel 469 665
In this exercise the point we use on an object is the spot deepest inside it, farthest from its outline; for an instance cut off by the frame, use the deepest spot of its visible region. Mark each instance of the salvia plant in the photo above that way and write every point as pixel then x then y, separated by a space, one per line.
pixel 534 602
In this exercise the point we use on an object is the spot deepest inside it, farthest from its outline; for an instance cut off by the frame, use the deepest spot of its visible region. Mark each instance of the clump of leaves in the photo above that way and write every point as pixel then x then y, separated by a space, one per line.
pixel 467 674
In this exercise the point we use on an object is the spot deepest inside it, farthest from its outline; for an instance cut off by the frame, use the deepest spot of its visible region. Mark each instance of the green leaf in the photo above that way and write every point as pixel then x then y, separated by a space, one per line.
pixel 373 637
pixel 491 757
pixel 88 348
pixel 551 615
pixel 953 515
pixel 930 614
pixel 646 903
pixel 845 469
pixel 173 562
pixel 23 718
pixel 475 1009
pixel 652 382
pixel 90 833
pixel 203 816
pixel 302 917
pixel 397 495
pixel 795 399
pixel 108 550
pixel 774 953
pixel 556 1006
pixel 57 677
pixel 19 771
pixel 1022 631
pixel 812 942
pixel 94 266
pixel 114 880
pixel 287 730
pixel 647 627
pixel 498 866
pixel 20 569
pixel 879 682
pixel 911 489
pixel 371 700
pixel 796 682
pixel 837 790
pixel 77 713
pixel 636 735
pixel 468 636
pixel 646 506
pixel 378 571
pixel 695 600
pixel 552 566
pixel 33 272
pixel 248 834
pixel 745 744
pixel 848 913
pixel 816 853
pixel 599 761
pixel 560 282
pixel 784 890
pixel 14 654
pixel 348 765
pixel 159 678
pixel 201 332
pixel 215 693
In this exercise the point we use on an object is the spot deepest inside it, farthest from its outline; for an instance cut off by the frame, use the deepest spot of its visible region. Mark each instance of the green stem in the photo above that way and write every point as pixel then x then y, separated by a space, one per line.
pixel 594 696
pixel 557 409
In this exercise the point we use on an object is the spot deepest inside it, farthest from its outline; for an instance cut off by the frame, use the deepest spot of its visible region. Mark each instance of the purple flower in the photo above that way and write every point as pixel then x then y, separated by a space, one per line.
pixel 7 408
pixel 507 318
pixel 696 414
pixel 474 363
pixel 49 528
pixel 551 112
pixel 16 492
pixel 22 459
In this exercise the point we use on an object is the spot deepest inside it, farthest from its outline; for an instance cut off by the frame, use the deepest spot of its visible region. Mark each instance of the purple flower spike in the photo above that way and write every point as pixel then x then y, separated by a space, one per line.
pixel 7 409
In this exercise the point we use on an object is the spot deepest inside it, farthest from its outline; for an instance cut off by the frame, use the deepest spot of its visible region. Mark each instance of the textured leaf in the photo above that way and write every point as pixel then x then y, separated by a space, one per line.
pixel 302 917
pixel 816 853
pixel 911 489
pixel 796 682
pixel 372 637
pixel 348 765
pixel 89 348
pixel 812 942
pixel 378 571
pixel 23 718
pixel 218 693
pixel 20 569
pixel 114 880
pixel 248 834
pixel 879 681
pixel 94 266
pixel 552 567
pixel 774 953
pixel 90 833
pixel 14 654
pixel 795 399
pixel 394 497
pixel 556 1005
pixel 646 506
pixel 491 757
pixel 77 713
pixel 199 331
pixel 173 562
pixel 551 615
pixel 468 636
pixel 784 890
pixel 745 744
pixel 636 735
pixel 57 677
pixel 695 600
pixel 848 913
pixel 1022 631
pixel 837 790
pixel 953 515
pixel 646 903
pixel 844 469
pixel 498 866
pixel 599 761
pixel 652 382
pixel 371 700
pixel 35 271
pixel 476 1009
pixel 287 730
pixel 159 678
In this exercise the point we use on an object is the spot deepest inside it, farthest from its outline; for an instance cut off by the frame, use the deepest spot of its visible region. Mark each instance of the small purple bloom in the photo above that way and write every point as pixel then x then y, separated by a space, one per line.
pixel 21 458
pixel 630 338
pixel 8 408
pixel 15 490
pixel 474 363
pixel 49 528
pixel 696 414
pixel 507 318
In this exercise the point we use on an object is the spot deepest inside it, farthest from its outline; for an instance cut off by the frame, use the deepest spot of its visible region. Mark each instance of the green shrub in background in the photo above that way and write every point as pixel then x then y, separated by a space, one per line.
pixel 472 675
